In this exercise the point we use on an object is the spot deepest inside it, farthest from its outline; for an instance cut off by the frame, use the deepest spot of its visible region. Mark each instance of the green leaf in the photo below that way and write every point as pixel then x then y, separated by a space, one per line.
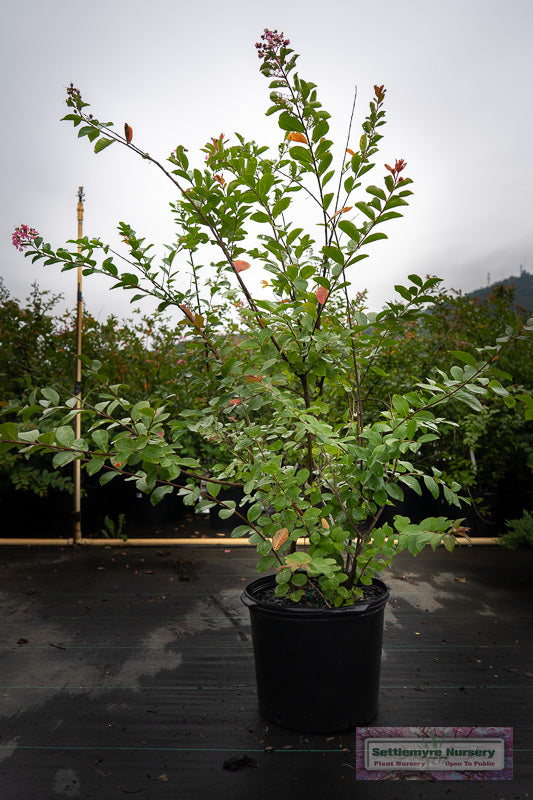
pixel 260 216
pixel 95 465
pixel 377 192
pixel 226 513
pixel 403 291
pixel 302 476
pixel 307 271
pixel 299 579
pixel 498 389
pixel 101 439
pixel 432 486
pixel 106 477
pixel 281 205
pixel 466 358
pixel 367 210
pixel 320 130
pixel 289 123
pixel 449 542
pixel 350 229
pixel 65 436
pixel 389 215
pixel 450 496
pixel 373 237
pixel 101 144
pixel 254 512
pixel 60 459
pixel 380 497
pixel 324 163
pixel 334 253
pixel 158 494
pixel 265 184
pixel 400 405
pixel 300 284
pixel 301 154
pixel 189 462
pixel 469 400
pixel 394 491
pixel 51 395
pixel 85 130
pixel 327 199
pixel 264 547
pixel 293 235
pixel 8 430
pixel 411 429
pixel 28 436
pixel 411 482
pixel 242 531
pixel 283 576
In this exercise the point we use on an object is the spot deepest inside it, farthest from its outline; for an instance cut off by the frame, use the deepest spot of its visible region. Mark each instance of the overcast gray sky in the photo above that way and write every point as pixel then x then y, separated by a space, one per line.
pixel 459 78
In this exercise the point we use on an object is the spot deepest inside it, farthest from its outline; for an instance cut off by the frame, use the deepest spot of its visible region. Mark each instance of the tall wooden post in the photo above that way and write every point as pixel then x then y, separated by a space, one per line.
pixel 77 384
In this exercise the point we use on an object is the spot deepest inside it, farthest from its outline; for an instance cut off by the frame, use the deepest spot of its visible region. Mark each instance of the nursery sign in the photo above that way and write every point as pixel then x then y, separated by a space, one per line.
pixel 434 753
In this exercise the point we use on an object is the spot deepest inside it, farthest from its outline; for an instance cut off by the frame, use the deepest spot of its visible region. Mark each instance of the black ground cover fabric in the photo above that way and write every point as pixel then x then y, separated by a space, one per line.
pixel 129 672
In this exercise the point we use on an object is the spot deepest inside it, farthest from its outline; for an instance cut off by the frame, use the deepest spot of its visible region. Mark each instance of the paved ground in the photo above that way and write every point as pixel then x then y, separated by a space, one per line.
pixel 129 672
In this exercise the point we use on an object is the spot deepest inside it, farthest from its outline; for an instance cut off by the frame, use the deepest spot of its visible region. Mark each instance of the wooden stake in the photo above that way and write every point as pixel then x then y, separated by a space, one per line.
pixel 77 384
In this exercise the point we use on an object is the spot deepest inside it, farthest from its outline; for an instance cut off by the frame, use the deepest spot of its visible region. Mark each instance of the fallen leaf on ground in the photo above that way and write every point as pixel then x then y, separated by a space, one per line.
pixel 237 762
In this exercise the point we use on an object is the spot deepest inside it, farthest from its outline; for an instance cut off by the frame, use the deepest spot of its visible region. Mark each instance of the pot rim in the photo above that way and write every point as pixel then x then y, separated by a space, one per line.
pixel 250 599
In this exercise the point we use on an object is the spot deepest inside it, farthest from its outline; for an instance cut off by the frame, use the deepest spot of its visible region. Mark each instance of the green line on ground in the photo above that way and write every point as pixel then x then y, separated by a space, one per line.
pixel 247 646
pixel 75 687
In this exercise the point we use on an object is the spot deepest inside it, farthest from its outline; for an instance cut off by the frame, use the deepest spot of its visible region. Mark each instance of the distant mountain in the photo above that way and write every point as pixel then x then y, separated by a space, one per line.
pixel 523 290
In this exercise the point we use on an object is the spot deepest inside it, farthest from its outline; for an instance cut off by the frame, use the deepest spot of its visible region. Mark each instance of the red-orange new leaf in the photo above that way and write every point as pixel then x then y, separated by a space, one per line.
pixel 240 266
pixel 322 295
pixel 340 211
pixel 188 313
pixel 296 137
pixel 279 538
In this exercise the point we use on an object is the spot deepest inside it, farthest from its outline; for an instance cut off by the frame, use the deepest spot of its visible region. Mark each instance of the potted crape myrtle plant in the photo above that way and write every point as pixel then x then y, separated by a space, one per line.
pixel 317 464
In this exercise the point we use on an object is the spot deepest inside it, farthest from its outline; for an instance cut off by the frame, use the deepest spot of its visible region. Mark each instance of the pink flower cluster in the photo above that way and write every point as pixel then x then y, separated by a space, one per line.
pixel 23 236
pixel 270 43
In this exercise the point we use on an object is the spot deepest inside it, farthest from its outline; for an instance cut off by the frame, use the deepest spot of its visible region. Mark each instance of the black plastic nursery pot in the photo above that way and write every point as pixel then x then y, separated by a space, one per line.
pixel 317 669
